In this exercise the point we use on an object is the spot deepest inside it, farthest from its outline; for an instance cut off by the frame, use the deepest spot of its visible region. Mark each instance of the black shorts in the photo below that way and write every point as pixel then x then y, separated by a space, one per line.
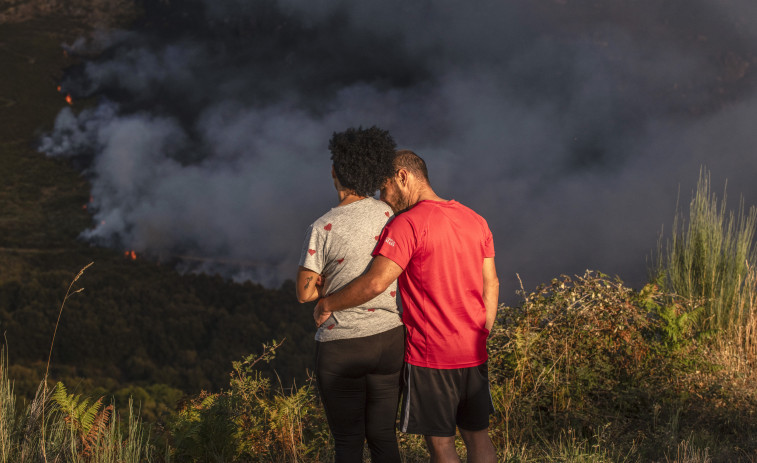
pixel 435 402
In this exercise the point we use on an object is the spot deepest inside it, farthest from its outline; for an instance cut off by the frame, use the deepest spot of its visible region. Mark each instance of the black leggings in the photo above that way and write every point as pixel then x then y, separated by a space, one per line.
pixel 359 382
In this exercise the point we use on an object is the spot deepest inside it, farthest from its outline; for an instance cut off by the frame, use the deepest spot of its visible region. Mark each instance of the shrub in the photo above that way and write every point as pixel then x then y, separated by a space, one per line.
pixel 251 421
pixel 575 353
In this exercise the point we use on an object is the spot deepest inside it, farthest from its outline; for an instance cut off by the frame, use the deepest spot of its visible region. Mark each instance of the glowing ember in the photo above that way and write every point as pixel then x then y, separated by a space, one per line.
pixel 59 88
pixel 69 100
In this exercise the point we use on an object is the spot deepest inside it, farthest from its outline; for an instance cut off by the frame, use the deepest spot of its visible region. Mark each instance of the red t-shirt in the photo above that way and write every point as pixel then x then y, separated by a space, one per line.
pixel 441 246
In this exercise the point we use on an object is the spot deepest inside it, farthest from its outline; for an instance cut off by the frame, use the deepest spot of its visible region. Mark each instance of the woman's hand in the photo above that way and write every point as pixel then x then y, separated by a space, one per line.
pixel 320 314
pixel 319 282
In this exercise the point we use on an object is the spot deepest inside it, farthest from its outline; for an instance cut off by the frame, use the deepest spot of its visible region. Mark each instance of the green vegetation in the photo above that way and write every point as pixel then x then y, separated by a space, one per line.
pixel 74 430
pixel 708 258
pixel 584 370
pixel 590 361
pixel 250 421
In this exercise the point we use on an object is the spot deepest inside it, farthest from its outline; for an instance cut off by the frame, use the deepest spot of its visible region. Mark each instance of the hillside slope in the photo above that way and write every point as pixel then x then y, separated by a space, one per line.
pixel 137 321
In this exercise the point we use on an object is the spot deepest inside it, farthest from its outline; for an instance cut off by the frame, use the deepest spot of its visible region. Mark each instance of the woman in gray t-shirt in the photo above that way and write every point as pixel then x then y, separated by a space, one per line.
pixel 359 351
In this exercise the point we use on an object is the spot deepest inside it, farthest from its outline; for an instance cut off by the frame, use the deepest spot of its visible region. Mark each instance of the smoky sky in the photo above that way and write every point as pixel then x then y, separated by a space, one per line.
pixel 574 127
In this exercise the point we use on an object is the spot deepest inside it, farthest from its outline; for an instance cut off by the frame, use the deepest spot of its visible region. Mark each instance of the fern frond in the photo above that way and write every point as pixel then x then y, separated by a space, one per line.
pixel 79 412
pixel 60 396
pixel 97 429
pixel 87 414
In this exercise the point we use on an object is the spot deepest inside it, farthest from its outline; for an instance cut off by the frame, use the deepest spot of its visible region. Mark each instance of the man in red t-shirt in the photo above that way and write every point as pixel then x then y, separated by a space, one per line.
pixel 442 254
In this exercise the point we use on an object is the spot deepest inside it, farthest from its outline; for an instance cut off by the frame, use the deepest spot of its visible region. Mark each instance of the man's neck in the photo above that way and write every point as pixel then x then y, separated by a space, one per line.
pixel 427 194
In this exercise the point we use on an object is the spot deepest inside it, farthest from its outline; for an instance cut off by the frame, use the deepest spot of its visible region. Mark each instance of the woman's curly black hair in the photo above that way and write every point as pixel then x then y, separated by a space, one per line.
pixel 363 158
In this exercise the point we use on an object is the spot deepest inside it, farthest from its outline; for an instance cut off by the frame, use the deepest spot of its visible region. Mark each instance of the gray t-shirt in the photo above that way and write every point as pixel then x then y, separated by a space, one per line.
pixel 338 246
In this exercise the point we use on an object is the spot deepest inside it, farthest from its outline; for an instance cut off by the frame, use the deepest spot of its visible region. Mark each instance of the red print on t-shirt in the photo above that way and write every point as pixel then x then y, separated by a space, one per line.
pixel 327 227
pixel 339 261
pixel 330 327
pixel 387 213
pixel 311 251
pixel 393 293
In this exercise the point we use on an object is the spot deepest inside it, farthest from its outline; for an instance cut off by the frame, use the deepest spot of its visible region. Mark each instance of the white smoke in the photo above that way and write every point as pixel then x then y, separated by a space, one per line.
pixel 571 127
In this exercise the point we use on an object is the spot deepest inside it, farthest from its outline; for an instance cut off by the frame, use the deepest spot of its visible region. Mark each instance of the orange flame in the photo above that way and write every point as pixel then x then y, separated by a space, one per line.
pixel 130 255
pixel 59 87
pixel 69 100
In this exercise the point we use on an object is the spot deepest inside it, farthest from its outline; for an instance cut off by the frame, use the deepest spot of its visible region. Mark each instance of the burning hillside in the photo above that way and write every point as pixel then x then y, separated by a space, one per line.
pixel 581 119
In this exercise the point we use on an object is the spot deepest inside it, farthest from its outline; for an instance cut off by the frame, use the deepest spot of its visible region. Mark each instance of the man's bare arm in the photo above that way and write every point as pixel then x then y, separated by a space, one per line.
pixel 362 289
pixel 307 285
pixel 491 291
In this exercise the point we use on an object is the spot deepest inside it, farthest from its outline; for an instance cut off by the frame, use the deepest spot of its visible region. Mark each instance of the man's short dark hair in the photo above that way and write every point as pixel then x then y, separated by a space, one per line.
pixel 408 160
pixel 362 158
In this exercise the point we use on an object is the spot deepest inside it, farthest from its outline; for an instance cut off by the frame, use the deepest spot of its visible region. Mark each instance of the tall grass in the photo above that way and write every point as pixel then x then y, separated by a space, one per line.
pixel 737 349
pixel 7 412
pixel 66 428
pixel 708 256
pixel 21 432
pixel 69 293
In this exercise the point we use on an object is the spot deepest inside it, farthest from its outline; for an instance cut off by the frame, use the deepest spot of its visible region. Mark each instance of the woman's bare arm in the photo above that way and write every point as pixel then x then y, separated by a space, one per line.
pixel 309 284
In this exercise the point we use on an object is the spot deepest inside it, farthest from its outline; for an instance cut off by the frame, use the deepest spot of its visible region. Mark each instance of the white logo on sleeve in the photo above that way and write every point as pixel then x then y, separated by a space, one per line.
pixel 389 241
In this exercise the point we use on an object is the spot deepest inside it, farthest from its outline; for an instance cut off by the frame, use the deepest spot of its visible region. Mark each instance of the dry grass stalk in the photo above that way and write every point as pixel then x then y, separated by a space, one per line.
pixel 687 453
pixel 69 293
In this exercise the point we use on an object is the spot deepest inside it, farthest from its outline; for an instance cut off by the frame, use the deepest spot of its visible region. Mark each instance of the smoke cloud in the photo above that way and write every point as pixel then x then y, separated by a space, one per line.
pixel 572 126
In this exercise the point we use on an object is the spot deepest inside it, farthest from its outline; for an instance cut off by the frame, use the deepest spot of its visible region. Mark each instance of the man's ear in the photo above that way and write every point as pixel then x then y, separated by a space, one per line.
pixel 402 177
